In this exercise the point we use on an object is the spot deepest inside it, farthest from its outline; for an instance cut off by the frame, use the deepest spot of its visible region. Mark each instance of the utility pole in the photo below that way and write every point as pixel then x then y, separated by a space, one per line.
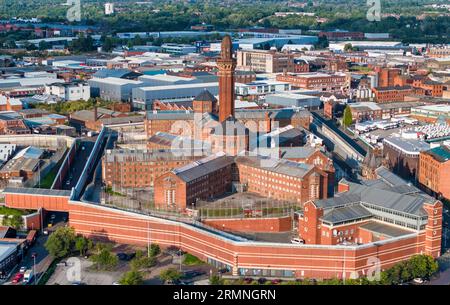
pixel 344 275
pixel 148 238
pixel 34 268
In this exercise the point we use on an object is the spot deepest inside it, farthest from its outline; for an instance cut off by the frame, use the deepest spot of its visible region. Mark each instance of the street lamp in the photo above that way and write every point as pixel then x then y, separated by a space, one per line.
pixel 34 255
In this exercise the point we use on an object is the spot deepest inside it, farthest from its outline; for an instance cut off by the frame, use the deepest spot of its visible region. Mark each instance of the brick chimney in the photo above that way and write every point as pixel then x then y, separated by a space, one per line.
pixel 268 122
pixel 8 104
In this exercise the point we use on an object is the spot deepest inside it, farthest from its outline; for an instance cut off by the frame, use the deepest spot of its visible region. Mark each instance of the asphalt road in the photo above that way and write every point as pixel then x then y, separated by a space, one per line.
pixel 43 260
pixel 77 166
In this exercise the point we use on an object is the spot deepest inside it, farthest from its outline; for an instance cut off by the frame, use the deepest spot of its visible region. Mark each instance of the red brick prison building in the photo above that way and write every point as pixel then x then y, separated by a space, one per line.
pixel 316 81
pixel 434 170
pixel 371 211
pixel 392 93
pixel 165 141
pixel 215 175
pixel 199 125
pixel 140 168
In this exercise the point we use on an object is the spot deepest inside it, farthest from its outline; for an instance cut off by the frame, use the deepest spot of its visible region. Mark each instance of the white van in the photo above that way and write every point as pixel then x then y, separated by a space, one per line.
pixel 28 276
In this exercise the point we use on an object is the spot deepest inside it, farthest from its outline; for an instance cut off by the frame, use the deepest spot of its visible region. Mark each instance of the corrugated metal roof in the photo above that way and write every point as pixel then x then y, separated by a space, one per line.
pixel 347 213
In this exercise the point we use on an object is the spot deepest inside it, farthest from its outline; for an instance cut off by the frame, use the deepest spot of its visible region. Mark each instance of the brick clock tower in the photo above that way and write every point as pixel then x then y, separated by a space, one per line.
pixel 227 66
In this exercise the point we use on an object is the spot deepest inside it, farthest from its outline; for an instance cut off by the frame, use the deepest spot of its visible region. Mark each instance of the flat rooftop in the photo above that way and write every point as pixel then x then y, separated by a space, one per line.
pixel 179 86
pixel 411 146
pixel 384 229
pixel 6 249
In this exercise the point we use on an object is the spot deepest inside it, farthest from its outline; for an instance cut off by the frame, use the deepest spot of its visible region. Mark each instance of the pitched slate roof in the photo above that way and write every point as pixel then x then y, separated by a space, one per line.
pixel 205 96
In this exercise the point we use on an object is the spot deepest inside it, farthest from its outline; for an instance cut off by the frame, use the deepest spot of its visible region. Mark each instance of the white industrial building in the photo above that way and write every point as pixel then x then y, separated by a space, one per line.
pixel 261 87
pixel 143 97
pixel 113 88
pixel 289 99
pixel 6 151
pixel 69 91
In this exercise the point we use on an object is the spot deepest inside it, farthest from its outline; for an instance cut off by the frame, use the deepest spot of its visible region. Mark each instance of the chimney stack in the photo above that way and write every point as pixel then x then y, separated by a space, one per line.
pixel 268 122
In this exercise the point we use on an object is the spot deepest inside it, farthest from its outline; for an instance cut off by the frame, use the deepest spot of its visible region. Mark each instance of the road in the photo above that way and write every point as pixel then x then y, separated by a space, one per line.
pixel 76 168
pixel 43 260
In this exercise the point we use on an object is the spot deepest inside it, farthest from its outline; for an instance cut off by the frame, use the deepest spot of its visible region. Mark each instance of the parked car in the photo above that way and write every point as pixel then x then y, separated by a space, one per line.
pixel 193 273
pixel 17 278
pixel 126 256
pixel 418 280
pixel 298 241
pixel 275 282
pixel 248 280
pixel 23 269
pixel 261 281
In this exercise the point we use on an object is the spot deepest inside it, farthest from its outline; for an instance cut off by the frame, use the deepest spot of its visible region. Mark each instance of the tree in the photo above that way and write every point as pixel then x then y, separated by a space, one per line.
pixel 43 45
pixel 82 244
pixel 170 274
pixel 61 242
pixel 108 44
pixel 155 250
pixel 132 277
pixel 348 119
pixel 105 259
pixel 14 221
pixel 322 43
pixel 141 261
pixel 348 47
pixel 216 280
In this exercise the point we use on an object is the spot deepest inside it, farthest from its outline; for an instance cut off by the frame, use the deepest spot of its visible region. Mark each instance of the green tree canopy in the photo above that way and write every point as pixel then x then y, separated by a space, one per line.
pixel 104 259
pixel 14 221
pixel 348 119
pixel 170 274
pixel 82 244
pixel 61 242
pixel 132 277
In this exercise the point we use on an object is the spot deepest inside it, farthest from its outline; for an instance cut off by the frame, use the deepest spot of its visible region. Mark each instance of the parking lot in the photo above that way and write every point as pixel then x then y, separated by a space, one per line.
pixel 63 274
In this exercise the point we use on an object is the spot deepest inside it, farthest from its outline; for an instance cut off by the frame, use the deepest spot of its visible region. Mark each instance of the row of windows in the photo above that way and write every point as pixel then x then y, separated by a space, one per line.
pixel 266 272
pixel 389 211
